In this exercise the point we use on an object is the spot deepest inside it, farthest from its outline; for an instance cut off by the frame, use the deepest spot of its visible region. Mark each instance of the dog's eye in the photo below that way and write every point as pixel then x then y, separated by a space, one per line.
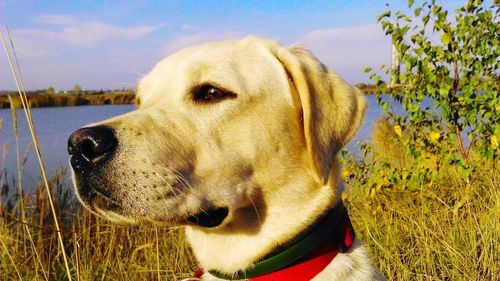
pixel 209 93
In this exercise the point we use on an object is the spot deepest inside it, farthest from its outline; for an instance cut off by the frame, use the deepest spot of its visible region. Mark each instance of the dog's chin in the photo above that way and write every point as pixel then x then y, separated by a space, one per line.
pixel 114 217
pixel 107 214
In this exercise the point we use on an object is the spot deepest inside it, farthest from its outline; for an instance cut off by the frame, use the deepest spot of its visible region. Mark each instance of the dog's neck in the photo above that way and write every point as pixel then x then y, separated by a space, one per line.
pixel 308 254
pixel 229 251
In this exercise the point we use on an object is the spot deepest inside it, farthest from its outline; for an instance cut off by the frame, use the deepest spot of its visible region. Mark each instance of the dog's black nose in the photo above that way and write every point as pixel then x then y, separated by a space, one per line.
pixel 90 147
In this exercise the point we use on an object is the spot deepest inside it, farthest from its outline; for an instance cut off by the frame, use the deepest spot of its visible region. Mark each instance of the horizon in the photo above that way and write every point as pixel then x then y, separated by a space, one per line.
pixel 112 45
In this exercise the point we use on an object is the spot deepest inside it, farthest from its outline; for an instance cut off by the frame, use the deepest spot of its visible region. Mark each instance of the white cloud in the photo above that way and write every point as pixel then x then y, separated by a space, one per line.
pixel 95 32
pixel 349 49
pixel 63 29
pixel 57 19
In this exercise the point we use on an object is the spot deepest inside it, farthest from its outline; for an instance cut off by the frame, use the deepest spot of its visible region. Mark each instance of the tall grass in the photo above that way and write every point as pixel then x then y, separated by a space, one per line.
pixel 447 231
pixel 96 248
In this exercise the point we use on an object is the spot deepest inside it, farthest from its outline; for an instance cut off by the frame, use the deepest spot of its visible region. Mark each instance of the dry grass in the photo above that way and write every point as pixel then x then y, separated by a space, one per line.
pixel 442 232
pixel 96 249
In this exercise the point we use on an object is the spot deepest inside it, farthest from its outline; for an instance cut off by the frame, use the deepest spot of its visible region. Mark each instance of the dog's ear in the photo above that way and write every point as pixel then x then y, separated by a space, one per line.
pixel 332 110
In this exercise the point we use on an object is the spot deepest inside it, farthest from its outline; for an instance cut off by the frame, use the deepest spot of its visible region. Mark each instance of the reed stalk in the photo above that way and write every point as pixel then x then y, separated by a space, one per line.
pixel 157 253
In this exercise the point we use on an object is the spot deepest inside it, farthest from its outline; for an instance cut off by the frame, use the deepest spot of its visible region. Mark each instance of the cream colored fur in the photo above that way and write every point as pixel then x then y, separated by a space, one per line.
pixel 269 155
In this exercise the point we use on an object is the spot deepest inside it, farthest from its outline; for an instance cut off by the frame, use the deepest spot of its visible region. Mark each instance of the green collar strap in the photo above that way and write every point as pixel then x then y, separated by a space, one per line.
pixel 296 251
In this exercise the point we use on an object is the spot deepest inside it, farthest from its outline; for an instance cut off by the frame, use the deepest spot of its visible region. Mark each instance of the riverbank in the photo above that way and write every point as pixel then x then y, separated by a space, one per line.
pixel 53 100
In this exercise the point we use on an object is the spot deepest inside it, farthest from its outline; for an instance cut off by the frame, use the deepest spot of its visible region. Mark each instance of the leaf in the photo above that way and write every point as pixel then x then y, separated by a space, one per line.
pixel 398 130
pixel 429 87
pixel 449 159
pixel 434 137
pixel 387 26
pixel 425 19
pixel 494 142
pixel 417 11
pixel 443 92
pixel 436 10
pixel 385 106
pixel 465 172
pixel 445 38
pixel 496 131
pixel 345 173
pixel 384 15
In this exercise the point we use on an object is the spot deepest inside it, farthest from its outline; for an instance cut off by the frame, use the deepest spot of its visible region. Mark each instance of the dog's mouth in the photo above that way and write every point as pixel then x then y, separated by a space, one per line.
pixel 101 201
pixel 97 197
pixel 210 218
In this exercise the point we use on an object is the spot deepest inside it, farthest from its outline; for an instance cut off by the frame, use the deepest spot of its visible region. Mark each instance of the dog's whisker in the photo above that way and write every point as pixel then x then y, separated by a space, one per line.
pixel 256 211
pixel 185 183
pixel 169 185
pixel 183 179
pixel 166 181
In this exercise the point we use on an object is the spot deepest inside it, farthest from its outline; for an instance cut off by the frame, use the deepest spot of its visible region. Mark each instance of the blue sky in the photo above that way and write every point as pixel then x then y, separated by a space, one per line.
pixel 111 44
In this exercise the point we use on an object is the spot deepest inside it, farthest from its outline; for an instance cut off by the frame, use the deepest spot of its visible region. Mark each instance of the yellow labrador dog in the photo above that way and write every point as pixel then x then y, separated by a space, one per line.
pixel 237 140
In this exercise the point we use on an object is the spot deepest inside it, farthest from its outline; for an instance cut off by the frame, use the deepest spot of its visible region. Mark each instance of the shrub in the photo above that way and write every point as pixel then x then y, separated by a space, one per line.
pixel 448 86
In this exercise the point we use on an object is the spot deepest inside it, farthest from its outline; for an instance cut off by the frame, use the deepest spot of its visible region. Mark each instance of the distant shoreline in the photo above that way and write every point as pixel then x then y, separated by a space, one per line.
pixel 95 98
pixel 57 100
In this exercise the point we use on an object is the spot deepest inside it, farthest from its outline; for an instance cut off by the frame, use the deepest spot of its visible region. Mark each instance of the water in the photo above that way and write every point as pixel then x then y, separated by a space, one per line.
pixel 373 112
pixel 54 125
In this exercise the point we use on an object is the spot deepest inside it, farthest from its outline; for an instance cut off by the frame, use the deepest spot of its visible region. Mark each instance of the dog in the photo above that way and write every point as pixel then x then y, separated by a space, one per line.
pixel 237 141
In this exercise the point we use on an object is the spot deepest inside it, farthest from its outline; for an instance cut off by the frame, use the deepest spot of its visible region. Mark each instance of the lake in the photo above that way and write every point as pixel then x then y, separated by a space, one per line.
pixel 54 125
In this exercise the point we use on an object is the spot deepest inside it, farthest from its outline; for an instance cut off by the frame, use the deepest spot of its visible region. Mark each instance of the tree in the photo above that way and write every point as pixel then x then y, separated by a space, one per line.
pixel 453 65
pixel 77 90
pixel 50 90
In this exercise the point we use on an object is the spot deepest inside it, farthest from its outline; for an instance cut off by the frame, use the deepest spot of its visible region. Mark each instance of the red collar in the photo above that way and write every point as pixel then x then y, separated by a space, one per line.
pixel 312 264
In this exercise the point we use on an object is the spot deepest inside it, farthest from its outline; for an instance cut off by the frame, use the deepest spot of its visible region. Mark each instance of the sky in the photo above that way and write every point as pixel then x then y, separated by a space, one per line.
pixel 112 44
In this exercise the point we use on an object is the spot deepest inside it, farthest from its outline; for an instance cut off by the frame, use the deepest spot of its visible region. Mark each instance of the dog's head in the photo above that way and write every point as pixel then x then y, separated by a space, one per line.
pixel 220 130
